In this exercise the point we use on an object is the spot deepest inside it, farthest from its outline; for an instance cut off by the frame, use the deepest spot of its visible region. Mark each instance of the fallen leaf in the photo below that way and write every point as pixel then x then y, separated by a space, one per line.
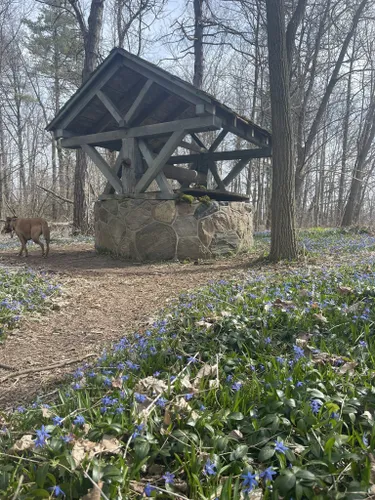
pixel 46 412
pixel 239 298
pixel 156 470
pixel 25 443
pixel 83 448
pixel 167 418
pixel 152 385
pixel 226 314
pixel 345 290
pixel 348 368
pixel 117 383
pixel 86 428
pixel 185 382
pixel 205 324
pixel 137 487
pixel 206 371
pixel 304 293
pixel 110 444
pixel 94 493
pixel 236 434
pixel 321 318
pixel 214 384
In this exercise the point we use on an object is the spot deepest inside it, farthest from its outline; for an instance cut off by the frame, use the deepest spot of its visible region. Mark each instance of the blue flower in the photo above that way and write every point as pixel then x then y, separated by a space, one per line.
pixel 335 415
pixel 268 474
pixel 280 447
pixel 280 360
pixel 57 420
pixel 267 340
pixel 192 360
pixel 188 397
pixel 202 407
pixel 249 482
pixel 56 491
pixel 362 343
pixel 237 386
pixel 161 402
pixel 68 438
pixel 148 490
pixel 138 429
pixel 42 435
pixel 140 398
pixel 365 440
pixel 79 420
pixel 298 352
pixel 299 384
pixel 156 374
pixel 209 468
pixel 21 409
pixel 315 406
pixel 169 478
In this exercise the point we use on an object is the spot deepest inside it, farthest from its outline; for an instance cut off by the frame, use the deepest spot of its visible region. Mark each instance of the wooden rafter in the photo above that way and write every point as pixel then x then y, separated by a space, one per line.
pixel 103 166
pixel 159 162
pixel 236 170
pixel 134 108
pixel 149 158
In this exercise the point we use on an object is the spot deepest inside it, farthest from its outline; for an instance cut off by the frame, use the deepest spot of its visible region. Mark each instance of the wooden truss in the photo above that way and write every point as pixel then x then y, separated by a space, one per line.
pixel 138 164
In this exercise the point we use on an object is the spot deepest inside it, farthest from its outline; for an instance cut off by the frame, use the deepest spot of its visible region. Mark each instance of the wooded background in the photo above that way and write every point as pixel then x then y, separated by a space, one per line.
pixel 48 48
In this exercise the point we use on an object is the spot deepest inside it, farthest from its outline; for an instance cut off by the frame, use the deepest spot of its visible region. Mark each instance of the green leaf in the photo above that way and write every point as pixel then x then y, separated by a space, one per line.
pixel 315 393
pixel 266 453
pixel 236 416
pixel 329 445
pixel 113 473
pixel 41 474
pixel 141 450
pixel 285 482
pixel 306 475
pixel 239 452
pixel 40 493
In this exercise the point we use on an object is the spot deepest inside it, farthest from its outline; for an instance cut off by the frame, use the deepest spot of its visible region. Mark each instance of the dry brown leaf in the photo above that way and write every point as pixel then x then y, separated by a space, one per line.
pixel 86 428
pixel 46 412
pixel 236 434
pixel 152 385
pixel 137 487
pixel 117 383
pixel 321 318
pixel 83 448
pixel 205 324
pixel 348 368
pixel 167 418
pixel 345 290
pixel 239 298
pixel 110 444
pixel 226 314
pixel 25 443
pixel 94 493
pixel 185 382
pixel 282 303
pixel 303 292
pixel 206 371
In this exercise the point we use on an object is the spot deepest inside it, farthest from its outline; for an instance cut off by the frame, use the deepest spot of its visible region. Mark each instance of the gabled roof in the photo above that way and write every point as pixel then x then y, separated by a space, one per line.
pixel 170 98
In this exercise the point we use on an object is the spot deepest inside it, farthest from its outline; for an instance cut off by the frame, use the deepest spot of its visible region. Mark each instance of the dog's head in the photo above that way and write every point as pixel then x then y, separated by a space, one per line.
pixel 9 225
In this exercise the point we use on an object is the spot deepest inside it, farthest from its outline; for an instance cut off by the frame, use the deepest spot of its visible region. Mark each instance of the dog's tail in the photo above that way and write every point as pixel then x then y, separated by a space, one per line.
pixel 46 234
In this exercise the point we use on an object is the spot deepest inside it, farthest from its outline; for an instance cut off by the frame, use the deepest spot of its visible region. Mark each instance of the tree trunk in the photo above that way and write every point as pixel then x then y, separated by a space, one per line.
pixel 198 44
pixel 283 234
pixel 91 38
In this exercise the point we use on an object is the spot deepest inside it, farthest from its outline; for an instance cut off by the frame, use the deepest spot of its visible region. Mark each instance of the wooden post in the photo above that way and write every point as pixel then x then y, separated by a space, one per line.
pixel 131 164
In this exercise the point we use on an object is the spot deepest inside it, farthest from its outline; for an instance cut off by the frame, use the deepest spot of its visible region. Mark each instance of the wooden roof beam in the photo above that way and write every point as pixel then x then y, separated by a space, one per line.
pixel 103 167
pixel 159 129
pixel 225 155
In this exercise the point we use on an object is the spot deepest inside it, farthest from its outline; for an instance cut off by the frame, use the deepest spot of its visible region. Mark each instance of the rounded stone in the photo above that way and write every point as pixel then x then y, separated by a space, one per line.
pixel 156 241
pixel 103 215
pixel 103 237
pixel 164 211
pixel 117 228
pixel 137 217
pixel 190 248
pixel 111 206
pixel 208 227
pixel 186 226
pixel 184 208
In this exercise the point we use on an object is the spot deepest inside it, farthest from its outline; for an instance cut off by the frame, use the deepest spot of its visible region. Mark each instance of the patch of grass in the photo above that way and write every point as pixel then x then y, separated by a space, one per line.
pixel 22 292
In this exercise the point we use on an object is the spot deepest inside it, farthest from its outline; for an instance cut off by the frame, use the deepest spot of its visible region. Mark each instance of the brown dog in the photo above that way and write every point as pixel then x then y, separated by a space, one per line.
pixel 28 229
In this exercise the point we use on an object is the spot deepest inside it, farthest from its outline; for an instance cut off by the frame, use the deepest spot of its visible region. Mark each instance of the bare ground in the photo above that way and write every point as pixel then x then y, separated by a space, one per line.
pixel 104 299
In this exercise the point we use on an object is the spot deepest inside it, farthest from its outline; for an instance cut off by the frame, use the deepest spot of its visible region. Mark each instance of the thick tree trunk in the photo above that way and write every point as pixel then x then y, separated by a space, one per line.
pixel 283 234
pixel 91 44
pixel 198 44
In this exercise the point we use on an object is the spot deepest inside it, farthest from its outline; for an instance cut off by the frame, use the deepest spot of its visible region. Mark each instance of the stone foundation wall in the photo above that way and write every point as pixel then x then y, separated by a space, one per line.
pixel 145 230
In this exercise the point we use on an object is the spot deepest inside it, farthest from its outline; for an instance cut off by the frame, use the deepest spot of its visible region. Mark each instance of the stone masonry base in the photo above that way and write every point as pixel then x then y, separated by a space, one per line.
pixel 154 230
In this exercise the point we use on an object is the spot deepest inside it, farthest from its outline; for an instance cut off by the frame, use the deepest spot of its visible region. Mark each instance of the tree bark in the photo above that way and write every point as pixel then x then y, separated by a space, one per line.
pixel 198 44
pixel 283 234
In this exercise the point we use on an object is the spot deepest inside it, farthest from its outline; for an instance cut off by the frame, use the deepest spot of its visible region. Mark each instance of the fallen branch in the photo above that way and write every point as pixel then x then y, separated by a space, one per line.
pixel 55 194
pixel 7 367
pixel 22 373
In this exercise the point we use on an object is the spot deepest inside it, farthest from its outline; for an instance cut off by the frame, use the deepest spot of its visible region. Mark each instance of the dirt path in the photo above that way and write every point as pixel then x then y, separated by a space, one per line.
pixel 105 299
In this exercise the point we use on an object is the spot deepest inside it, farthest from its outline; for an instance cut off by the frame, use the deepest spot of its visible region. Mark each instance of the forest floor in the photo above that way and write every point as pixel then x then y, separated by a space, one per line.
pixel 102 299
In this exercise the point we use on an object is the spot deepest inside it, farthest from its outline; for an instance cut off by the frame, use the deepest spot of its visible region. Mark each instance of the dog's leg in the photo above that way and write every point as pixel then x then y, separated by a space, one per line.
pixel 35 235
pixel 23 246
